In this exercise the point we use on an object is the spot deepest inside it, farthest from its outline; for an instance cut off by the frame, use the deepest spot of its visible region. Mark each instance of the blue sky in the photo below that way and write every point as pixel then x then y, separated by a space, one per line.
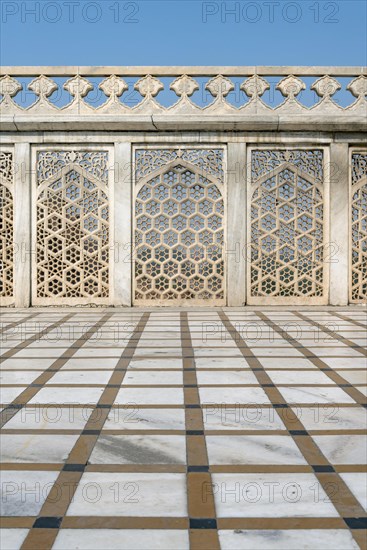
pixel 189 32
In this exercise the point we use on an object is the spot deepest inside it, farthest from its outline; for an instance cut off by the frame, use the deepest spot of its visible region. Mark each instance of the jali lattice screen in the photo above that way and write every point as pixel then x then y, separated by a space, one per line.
pixel 358 286
pixel 6 228
pixel 179 226
pixel 72 227
pixel 287 226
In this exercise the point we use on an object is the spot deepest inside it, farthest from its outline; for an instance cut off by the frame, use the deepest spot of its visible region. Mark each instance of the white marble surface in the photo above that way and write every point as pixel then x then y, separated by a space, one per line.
pixel 24 492
pixel 73 395
pixel 233 395
pixel 48 418
pixel 133 418
pixel 150 396
pixel 357 483
pixel 153 378
pixel 80 378
pixel 290 539
pixel 346 362
pixel 126 539
pixel 19 377
pixel 7 395
pixel 221 378
pixel 286 363
pixel 270 495
pixel 138 495
pixel 343 449
pixel 27 364
pixel 253 449
pixel 136 449
pixel 143 363
pixel 354 376
pixel 36 448
pixel 299 377
pixel 12 539
pixel 221 362
pixel 315 395
pixel 92 363
pixel 332 417
pixel 241 418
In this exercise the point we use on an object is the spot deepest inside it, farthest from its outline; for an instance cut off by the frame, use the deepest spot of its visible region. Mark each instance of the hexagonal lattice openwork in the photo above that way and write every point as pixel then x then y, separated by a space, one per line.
pixel 179 234
pixel 287 224
pixel 6 227
pixel 72 228
pixel 358 286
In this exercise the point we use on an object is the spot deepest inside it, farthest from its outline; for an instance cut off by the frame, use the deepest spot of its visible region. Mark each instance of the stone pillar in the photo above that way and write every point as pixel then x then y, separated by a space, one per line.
pixel 235 247
pixel 122 265
pixel 22 225
pixel 338 249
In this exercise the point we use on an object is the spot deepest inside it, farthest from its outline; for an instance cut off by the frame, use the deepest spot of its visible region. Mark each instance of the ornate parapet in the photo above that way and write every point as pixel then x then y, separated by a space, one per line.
pixel 183 98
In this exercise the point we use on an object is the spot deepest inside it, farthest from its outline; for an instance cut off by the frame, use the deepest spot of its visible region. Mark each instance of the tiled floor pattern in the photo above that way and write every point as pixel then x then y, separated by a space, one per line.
pixel 175 429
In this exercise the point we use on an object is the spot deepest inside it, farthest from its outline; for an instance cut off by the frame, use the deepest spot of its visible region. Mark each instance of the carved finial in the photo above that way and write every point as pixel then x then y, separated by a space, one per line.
pixel 184 86
pixel 220 86
pixel 358 86
pixel 291 86
pixel 43 86
pixel 326 86
pixel 9 86
pixel 113 86
pixel 78 86
pixel 149 86
pixel 255 86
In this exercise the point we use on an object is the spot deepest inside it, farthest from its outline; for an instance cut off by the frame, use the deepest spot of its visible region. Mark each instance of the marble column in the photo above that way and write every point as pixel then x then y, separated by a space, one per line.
pixel 22 225
pixel 338 249
pixel 235 247
pixel 122 248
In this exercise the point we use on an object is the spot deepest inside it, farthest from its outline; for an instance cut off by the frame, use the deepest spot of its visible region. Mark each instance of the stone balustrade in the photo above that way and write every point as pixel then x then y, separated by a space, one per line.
pixel 188 98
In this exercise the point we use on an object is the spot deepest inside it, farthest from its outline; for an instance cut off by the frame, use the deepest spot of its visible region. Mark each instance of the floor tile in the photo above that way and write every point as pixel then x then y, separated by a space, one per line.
pixel 139 495
pixel 127 539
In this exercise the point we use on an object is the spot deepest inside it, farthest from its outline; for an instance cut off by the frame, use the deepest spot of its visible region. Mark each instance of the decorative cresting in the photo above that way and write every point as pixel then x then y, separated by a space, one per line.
pixel 6 228
pixel 287 226
pixel 72 227
pixel 179 227
pixel 358 286
pixel 110 96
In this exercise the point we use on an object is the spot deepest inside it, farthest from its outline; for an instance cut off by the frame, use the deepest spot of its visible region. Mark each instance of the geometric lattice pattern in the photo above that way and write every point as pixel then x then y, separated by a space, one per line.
pixel 72 233
pixel 179 233
pixel 6 225
pixel 358 291
pixel 286 228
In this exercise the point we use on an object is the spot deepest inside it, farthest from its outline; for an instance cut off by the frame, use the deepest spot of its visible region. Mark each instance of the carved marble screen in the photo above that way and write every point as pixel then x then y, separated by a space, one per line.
pixel 286 227
pixel 179 226
pixel 6 228
pixel 71 227
pixel 358 202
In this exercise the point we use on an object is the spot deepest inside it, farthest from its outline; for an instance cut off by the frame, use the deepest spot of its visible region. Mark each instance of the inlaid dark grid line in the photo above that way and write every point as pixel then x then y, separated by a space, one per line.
pixel 40 382
pixel 69 478
pixel 353 392
pixel 331 333
pixel 202 513
pixel 351 320
pixel 17 323
pixel 343 500
pixel 348 506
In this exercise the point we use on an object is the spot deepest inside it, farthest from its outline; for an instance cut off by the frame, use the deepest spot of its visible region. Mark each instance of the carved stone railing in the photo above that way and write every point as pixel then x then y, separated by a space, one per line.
pixel 183 98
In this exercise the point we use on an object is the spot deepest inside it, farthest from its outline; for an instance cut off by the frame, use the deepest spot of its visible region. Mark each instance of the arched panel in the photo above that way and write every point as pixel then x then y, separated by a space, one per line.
pixel 358 214
pixel 179 237
pixel 286 227
pixel 6 228
pixel 72 228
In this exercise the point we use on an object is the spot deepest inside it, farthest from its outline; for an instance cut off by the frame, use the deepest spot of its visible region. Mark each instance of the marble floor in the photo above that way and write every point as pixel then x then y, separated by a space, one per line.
pixel 201 429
